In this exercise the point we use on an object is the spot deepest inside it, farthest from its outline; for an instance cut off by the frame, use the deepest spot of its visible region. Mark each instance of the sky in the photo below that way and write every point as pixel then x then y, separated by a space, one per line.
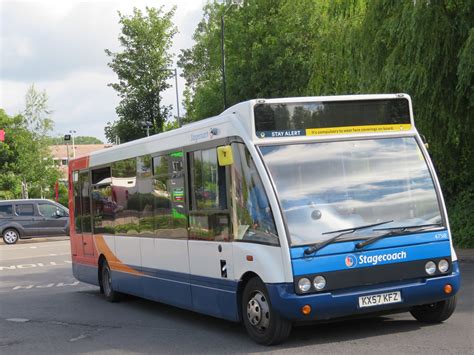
pixel 58 45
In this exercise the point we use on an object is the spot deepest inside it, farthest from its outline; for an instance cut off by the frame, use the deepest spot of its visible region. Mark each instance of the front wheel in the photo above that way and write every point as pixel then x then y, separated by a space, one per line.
pixel 435 312
pixel 262 322
pixel 109 293
pixel 10 236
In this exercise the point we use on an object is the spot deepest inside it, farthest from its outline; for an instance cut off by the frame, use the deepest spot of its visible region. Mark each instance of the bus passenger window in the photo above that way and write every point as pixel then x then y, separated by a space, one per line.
pixel 253 219
pixel 169 197
pixel 209 216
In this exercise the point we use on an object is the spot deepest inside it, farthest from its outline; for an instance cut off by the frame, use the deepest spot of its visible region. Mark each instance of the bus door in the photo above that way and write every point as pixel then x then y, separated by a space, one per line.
pixel 210 247
pixel 83 221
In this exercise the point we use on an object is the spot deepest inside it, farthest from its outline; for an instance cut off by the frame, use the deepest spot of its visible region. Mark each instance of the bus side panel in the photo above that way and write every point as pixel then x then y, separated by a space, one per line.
pixel 165 267
pixel 213 287
pixel 266 261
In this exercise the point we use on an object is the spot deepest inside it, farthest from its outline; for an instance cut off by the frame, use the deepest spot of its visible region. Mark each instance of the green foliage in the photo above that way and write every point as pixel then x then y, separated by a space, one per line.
pixel 142 70
pixel 24 156
pixel 319 47
pixel 461 211
pixel 78 140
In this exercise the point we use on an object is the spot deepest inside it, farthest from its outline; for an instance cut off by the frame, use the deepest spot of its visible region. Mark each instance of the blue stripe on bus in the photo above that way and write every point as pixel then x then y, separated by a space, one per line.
pixel 348 246
pixel 364 259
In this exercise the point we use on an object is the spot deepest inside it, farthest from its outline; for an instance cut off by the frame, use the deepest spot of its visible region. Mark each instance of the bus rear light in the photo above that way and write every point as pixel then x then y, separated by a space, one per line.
pixel 448 289
pixel 249 258
pixel 306 309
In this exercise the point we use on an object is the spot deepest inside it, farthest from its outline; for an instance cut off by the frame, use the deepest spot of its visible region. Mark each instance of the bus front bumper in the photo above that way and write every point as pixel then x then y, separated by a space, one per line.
pixel 343 303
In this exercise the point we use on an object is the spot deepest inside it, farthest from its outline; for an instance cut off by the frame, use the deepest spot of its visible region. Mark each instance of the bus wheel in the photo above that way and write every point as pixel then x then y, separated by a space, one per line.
pixel 10 236
pixel 262 322
pixel 435 312
pixel 109 293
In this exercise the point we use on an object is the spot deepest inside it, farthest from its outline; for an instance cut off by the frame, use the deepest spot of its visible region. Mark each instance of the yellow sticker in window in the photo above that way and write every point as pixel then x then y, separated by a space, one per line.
pixel 358 129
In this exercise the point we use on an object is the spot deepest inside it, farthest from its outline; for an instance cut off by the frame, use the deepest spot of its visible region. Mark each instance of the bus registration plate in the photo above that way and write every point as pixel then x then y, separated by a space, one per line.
pixel 379 299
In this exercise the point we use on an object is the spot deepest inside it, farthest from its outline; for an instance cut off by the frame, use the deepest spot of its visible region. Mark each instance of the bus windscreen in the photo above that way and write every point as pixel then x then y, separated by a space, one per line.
pixel 331 117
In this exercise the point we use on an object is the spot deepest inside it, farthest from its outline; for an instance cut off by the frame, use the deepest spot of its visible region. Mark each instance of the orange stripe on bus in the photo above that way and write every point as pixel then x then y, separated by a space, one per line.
pixel 114 262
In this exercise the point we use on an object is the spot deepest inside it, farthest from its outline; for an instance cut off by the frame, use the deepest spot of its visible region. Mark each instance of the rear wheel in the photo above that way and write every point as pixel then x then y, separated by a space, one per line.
pixel 435 312
pixel 10 236
pixel 262 322
pixel 109 293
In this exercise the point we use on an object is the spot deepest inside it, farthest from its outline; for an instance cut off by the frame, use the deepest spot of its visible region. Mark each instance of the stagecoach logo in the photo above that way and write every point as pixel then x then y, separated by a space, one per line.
pixel 351 260
pixel 204 135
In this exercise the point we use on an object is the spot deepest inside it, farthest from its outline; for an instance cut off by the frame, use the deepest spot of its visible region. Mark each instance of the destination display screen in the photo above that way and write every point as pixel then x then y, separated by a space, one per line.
pixel 331 117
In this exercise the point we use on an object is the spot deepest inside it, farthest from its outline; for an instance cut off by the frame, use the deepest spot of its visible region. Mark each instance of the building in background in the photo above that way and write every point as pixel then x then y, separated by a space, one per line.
pixel 60 153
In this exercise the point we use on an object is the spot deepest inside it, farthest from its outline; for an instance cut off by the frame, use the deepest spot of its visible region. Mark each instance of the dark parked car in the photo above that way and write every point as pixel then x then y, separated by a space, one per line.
pixel 32 218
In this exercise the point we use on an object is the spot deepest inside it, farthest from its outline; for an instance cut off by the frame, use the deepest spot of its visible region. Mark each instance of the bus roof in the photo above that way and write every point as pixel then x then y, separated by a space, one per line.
pixel 239 120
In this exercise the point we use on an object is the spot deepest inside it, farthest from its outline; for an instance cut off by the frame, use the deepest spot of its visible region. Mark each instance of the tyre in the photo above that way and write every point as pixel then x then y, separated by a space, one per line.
pixel 10 236
pixel 262 322
pixel 106 275
pixel 435 312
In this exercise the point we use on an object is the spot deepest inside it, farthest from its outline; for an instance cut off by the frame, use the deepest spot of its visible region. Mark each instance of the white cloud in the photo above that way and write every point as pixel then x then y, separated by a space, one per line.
pixel 59 46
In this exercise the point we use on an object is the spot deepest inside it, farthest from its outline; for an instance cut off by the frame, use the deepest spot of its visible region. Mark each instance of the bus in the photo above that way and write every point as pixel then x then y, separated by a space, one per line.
pixel 273 213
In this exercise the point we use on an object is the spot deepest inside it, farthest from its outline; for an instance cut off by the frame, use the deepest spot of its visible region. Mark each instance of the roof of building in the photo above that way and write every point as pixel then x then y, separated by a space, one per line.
pixel 60 151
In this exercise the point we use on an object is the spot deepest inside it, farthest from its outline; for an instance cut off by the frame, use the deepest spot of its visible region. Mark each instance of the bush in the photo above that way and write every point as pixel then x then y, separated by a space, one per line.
pixel 460 211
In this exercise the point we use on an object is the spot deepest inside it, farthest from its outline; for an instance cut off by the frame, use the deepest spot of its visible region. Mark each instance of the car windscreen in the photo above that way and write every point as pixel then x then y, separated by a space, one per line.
pixel 329 186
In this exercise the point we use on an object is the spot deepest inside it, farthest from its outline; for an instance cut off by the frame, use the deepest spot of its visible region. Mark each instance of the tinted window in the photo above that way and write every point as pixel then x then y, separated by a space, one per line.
pixel 168 189
pixel 85 202
pixel 209 218
pixel 254 216
pixel 102 204
pixel 126 197
pixel 77 203
pixel 47 209
pixel 25 210
pixel 208 181
pixel 6 210
pixel 297 117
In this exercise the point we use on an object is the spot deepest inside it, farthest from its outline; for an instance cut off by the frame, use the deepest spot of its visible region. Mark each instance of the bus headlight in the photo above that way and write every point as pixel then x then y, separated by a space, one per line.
pixel 443 265
pixel 430 267
pixel 304 284
pixel 319 283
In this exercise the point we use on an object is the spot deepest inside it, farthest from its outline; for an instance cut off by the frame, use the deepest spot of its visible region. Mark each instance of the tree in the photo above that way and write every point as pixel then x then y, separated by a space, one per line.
pixel 25 163
pixel 142 69
pixel 318 47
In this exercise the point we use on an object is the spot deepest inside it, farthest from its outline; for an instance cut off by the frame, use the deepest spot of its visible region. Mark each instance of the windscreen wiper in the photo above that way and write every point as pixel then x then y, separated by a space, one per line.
pixel 395 231
pixel 315 247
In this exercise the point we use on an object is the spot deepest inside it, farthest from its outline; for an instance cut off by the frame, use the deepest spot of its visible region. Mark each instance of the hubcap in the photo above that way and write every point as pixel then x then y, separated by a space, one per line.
pixel 10 237
pixel 258 311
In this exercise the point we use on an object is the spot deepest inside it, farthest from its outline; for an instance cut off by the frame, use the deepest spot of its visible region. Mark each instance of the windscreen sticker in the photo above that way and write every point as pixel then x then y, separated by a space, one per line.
pixel 334 130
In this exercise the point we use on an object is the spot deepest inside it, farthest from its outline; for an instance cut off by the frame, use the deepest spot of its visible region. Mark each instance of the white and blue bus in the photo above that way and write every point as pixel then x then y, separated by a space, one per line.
pixel 275 212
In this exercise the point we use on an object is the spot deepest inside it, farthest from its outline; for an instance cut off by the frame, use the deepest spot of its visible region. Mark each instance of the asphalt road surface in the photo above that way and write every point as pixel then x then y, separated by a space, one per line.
pixel 43 309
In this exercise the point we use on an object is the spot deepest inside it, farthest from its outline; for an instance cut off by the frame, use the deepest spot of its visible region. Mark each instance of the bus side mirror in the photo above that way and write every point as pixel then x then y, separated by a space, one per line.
pixel 225 155
pixel 425 143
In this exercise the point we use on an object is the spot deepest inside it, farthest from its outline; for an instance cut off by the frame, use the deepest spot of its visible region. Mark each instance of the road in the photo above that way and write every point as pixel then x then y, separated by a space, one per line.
pixel 43 309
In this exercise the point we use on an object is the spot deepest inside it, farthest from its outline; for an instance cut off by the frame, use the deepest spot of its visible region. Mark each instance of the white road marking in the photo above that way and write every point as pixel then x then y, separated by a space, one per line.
pixel 31 266
pixel 50 285
pixel 35 256
pixel 33 247
pixel 18 320
pixel 82 336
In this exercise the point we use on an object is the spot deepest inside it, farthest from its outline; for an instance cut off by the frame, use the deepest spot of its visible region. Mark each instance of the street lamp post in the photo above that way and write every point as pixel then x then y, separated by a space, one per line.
pixel 175 71
pixel 73 146
pixel 224 88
